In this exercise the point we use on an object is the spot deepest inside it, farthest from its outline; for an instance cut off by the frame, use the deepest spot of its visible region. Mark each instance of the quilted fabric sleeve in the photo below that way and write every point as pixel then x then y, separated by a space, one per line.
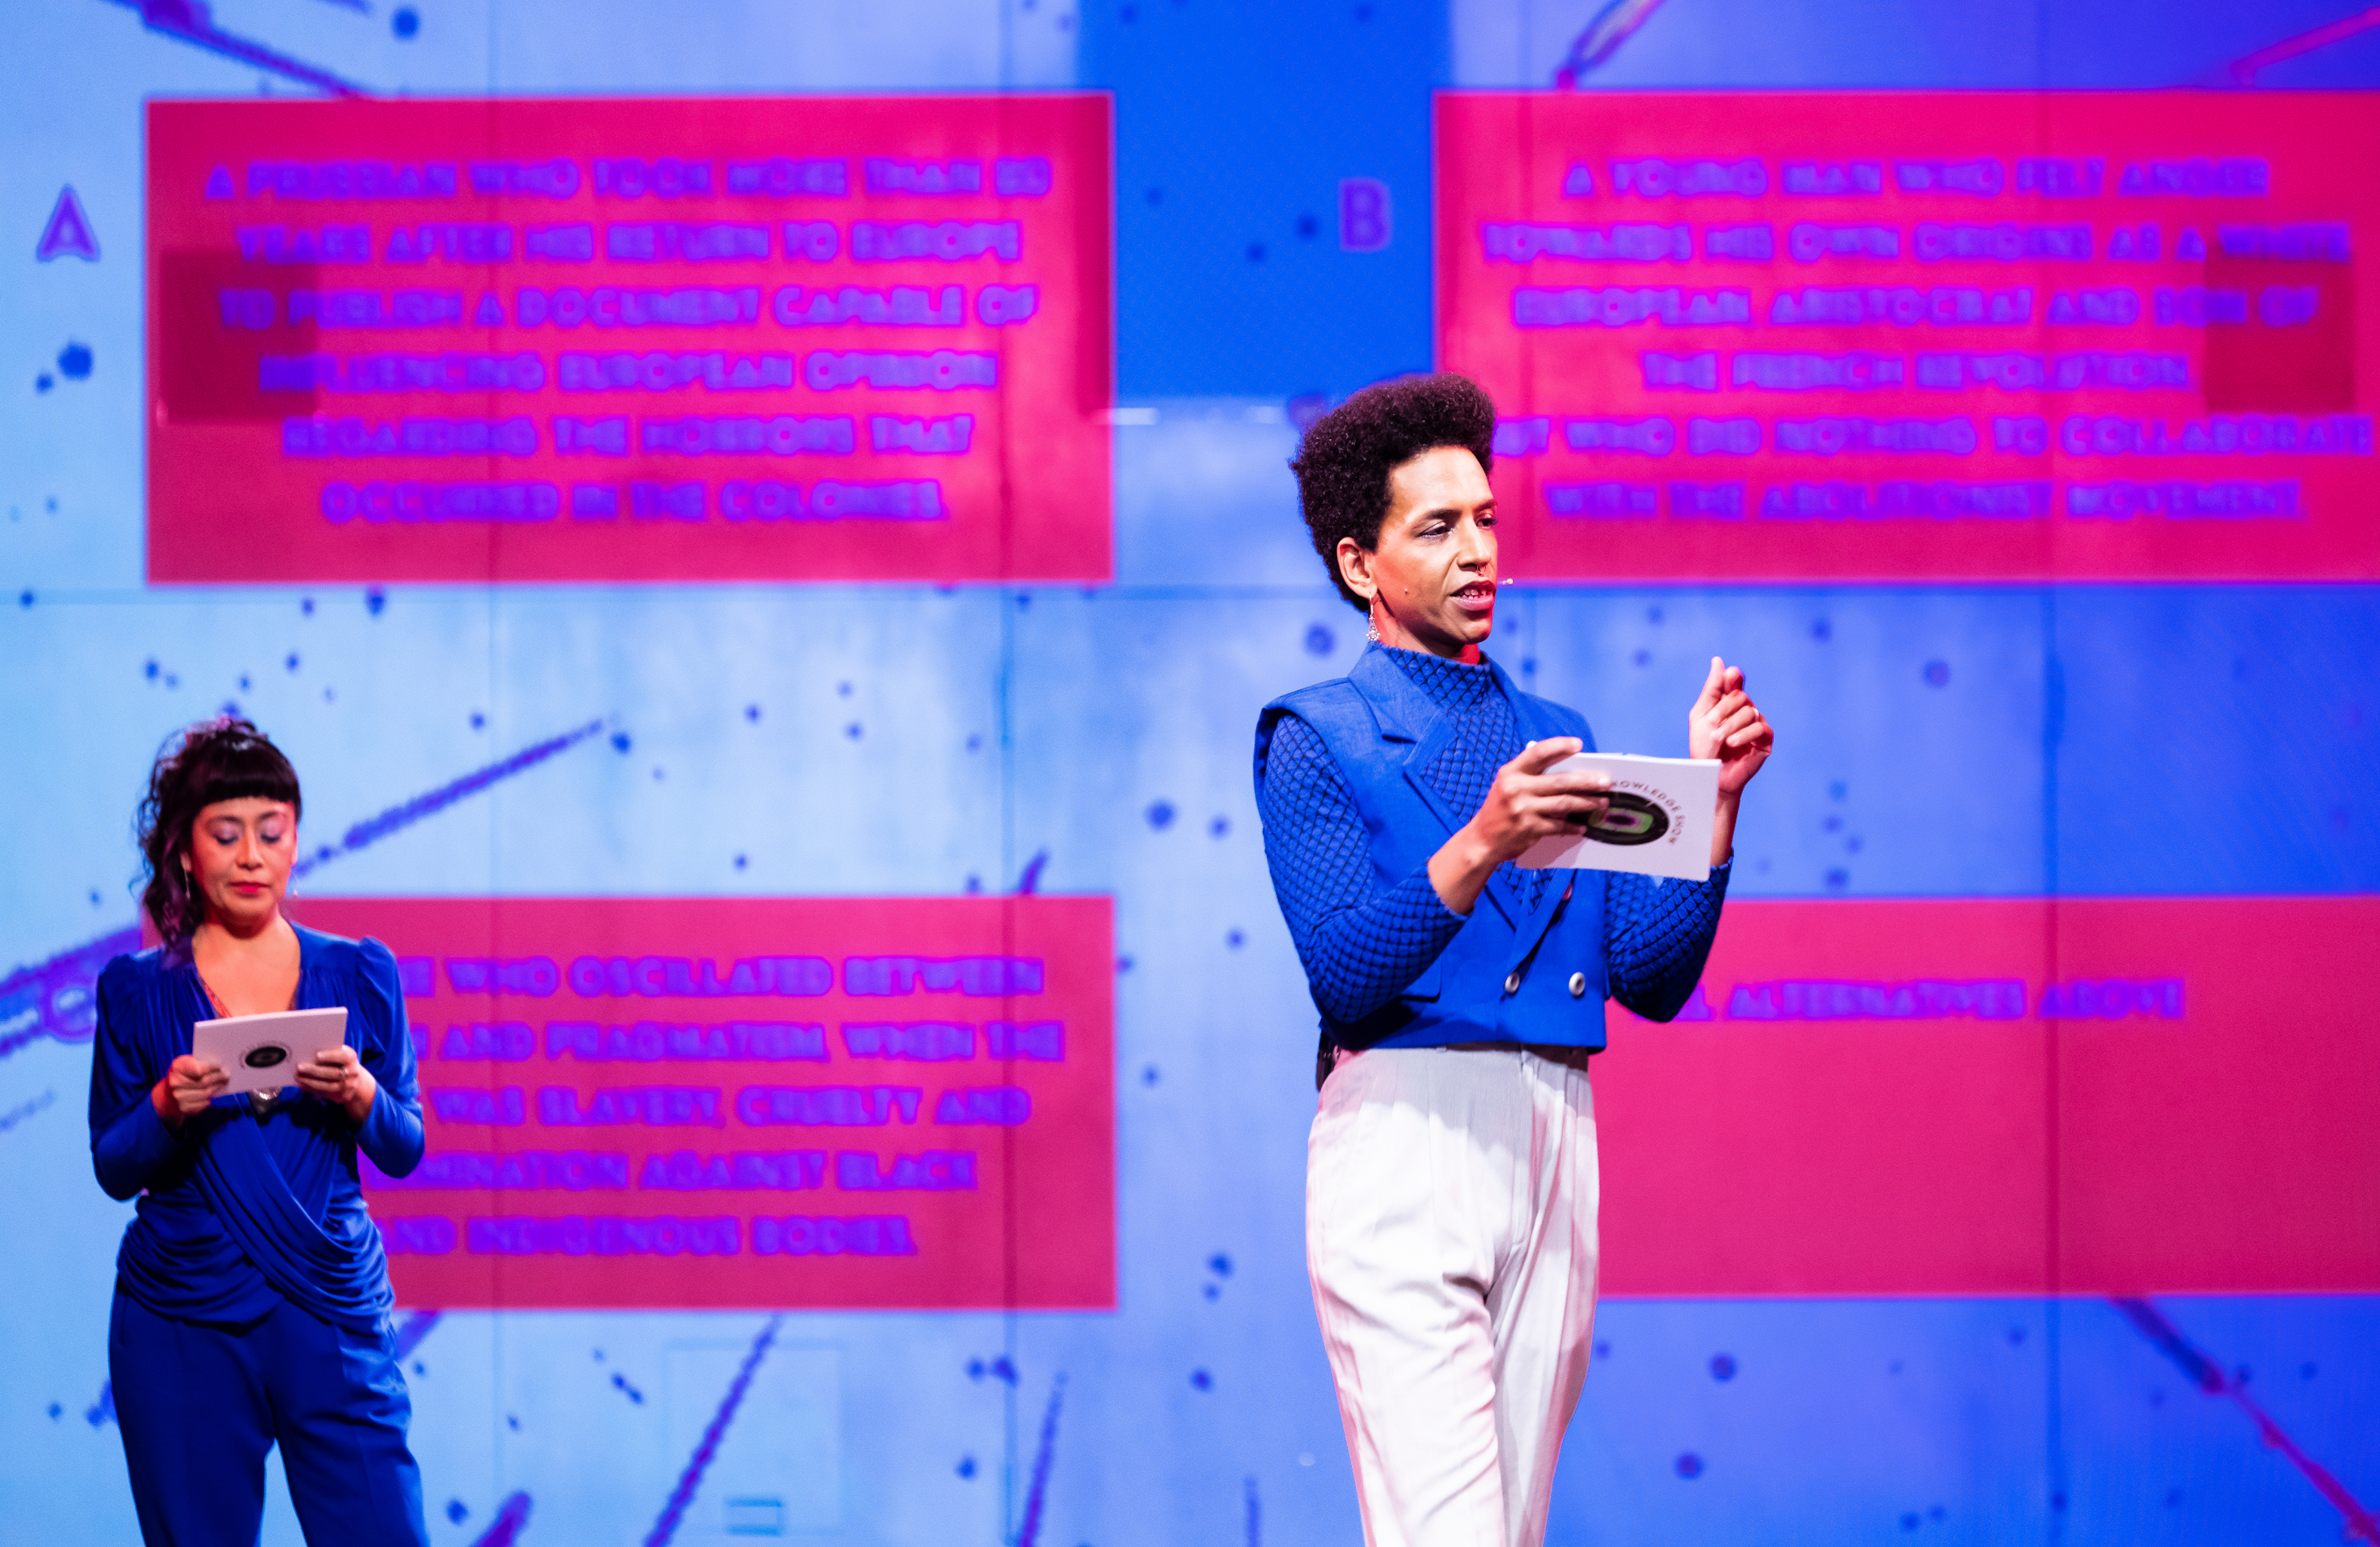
pixel 1656 934
pixel 1361 946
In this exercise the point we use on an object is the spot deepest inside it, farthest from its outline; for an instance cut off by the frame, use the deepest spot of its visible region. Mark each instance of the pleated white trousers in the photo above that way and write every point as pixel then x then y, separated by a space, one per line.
pixel 1451 1236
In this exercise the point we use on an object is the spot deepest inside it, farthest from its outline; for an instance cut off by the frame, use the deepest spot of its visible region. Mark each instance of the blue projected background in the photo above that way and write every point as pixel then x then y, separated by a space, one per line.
pixel 915 740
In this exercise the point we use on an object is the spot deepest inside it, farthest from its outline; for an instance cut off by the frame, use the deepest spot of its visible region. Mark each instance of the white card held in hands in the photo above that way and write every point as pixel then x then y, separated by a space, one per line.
pixel 261 1052
pixel 1658 821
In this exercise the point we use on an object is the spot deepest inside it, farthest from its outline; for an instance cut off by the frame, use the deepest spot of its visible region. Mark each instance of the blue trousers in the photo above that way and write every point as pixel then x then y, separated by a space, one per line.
pixel 200 1405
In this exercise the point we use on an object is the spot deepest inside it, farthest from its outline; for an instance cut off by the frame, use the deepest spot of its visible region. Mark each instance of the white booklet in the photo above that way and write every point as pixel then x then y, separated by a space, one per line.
pixel 1659 823
pixel 261 1052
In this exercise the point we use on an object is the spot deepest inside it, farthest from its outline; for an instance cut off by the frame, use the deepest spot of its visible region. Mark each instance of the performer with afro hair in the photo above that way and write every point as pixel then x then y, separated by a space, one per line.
pixel 1450 1174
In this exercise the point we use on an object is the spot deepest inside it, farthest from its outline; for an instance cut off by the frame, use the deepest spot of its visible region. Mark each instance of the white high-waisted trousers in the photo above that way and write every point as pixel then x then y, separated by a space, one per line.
pixel 1449 1234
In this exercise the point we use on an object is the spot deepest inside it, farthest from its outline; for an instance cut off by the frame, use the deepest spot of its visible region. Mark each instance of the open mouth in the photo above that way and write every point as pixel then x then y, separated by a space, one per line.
pixel 1479 596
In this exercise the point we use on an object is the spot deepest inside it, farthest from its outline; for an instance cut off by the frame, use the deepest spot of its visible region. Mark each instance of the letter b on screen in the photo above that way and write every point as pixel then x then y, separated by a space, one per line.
pixel 1362 215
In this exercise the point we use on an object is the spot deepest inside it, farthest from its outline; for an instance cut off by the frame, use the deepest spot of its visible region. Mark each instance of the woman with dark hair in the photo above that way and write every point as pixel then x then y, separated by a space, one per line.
pixel 1451 1186
pixel 251 1296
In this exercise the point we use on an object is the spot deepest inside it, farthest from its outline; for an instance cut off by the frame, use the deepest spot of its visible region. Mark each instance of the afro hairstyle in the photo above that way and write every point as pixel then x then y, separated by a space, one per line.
pixel 1344 463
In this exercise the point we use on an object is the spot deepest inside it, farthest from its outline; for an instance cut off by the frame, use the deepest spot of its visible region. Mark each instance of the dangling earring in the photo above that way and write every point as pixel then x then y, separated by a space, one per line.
pixel 1371 628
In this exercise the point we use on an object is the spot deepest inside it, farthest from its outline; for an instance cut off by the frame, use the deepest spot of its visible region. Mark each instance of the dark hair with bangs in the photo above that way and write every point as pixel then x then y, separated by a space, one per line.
pixel 227 758
pixel 1342 465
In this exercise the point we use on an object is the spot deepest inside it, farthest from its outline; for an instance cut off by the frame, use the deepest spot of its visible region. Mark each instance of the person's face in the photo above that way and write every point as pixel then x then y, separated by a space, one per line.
pixel 1431 580
pixel 239 858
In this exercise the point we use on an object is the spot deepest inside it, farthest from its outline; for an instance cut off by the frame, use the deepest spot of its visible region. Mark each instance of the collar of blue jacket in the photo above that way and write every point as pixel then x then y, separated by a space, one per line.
pixel 1512 973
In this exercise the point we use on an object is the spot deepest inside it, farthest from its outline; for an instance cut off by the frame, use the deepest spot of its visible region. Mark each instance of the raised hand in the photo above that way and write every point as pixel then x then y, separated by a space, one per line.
pixel 1725 724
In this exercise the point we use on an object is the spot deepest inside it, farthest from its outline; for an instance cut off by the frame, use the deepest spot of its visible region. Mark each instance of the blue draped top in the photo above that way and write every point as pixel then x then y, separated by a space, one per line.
pixel 241 1209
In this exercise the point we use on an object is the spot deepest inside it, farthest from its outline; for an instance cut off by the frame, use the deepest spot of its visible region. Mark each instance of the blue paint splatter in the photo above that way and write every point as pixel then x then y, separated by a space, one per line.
pixel 1722 1366
pixel 1219 1265
pixel 1028 1529
pixel 397 818
pixel 1320 640
pixel 189 21
pixel 413 1329
pixel 375 599
pixel 102 1410
pixel 965 1467
pixel 1220 827
pixel 1159 814
pixel 23 1110
pixel 1029 881
pixel 1612 26
pixel 507 1525
pixel 457 1511
pixel 1201 1380
pixel 1690 1465
pixel 621 1382
pixel 1937 673
pixel 688 1480
pixel 2208 1376
pixel 53 998
pixel 1255 1514
pixel 406 23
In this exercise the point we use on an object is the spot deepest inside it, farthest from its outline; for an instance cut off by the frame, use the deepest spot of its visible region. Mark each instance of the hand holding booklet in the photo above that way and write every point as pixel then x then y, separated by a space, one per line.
pixel 261 1052
pixel 1658 821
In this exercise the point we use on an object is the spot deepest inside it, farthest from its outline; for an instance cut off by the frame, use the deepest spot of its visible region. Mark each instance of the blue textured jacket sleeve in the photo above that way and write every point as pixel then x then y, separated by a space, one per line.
pixel 391 1132
pixel 1361 946
pixel 128 1142
pixel 1657 936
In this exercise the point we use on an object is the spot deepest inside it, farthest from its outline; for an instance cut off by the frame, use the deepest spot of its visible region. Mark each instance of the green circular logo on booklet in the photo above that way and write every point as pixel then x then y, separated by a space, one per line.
pixel 1630 820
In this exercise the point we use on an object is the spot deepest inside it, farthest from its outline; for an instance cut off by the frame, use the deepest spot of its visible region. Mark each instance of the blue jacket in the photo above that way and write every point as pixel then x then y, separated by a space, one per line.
pixel 1512 973
pixel 240 1210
